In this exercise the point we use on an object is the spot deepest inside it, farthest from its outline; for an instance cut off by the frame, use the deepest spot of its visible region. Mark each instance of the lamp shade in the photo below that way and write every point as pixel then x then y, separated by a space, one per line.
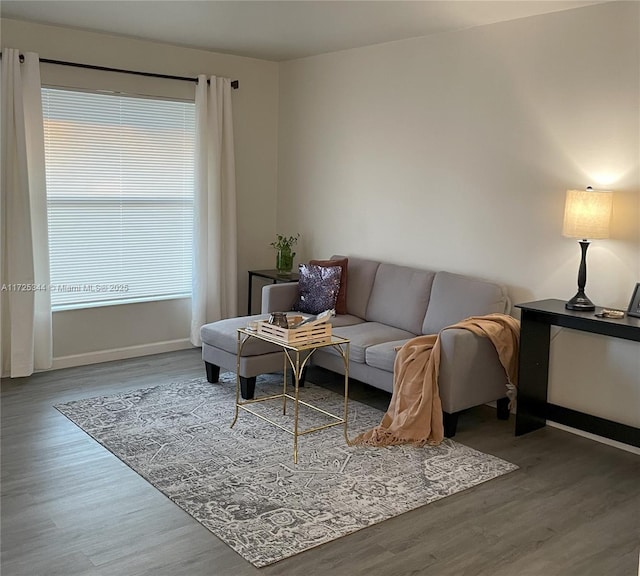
pixel 587 214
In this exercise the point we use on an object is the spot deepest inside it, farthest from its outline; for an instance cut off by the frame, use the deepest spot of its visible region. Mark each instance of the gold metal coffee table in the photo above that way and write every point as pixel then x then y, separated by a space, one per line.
pixel 296 355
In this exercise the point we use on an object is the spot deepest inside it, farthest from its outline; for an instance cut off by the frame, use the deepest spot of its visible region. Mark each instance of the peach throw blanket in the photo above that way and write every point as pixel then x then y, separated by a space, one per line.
pixel 414 415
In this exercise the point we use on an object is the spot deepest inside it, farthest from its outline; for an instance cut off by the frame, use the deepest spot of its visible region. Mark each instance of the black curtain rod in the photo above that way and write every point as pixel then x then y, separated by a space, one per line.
pixel 235 84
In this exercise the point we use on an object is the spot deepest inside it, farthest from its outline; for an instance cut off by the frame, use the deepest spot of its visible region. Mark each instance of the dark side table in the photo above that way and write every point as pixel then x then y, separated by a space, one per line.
pixel 533 371
pixel 269 275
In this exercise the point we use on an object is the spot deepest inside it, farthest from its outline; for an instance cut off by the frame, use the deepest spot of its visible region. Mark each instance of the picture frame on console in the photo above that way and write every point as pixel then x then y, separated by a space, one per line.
pixel 634 305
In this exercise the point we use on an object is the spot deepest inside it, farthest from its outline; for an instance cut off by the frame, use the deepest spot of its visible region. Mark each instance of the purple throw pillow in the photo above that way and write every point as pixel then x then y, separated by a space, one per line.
pixel 317 288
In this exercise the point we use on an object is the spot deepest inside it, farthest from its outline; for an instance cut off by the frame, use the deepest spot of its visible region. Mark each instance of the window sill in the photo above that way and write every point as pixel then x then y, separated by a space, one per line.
pixel 108 303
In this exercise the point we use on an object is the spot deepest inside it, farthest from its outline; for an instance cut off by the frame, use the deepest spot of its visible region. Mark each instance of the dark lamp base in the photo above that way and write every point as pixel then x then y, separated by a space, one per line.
pixel 580 303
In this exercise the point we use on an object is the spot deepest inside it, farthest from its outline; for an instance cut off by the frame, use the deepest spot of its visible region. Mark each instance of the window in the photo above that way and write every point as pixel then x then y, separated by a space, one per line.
pixel 120 192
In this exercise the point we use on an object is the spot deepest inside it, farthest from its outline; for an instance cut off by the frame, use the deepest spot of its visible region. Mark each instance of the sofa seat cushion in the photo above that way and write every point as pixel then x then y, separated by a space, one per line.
pixel 366 334
pixel 345 320
pixel 383 356
pixel 223 334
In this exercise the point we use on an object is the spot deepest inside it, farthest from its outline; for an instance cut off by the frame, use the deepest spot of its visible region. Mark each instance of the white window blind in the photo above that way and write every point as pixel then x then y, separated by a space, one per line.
pixel 120 186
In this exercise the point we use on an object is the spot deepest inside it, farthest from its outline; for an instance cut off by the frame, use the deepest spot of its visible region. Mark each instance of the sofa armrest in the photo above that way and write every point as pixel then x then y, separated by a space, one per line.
pixel 470 371
pixel 279 297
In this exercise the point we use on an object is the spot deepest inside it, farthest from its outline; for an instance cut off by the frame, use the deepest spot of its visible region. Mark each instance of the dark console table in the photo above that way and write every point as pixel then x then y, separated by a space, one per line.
pixel 269 275
pixel 533 372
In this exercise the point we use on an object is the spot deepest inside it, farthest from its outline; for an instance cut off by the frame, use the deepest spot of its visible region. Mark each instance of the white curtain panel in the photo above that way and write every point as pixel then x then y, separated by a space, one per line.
pixel 25 308
pixel 215 278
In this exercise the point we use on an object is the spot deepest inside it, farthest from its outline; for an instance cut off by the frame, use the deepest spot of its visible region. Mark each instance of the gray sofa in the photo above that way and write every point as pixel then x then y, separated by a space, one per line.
pixel 387 305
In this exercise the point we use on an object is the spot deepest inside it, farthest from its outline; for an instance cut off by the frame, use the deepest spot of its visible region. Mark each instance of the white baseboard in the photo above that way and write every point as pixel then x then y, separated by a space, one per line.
pixel 601 439
pixel 120 353
pixel 577 432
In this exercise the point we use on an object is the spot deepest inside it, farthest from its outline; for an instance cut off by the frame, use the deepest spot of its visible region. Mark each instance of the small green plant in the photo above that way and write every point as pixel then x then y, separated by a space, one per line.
pixel 285 242
pixel 285 256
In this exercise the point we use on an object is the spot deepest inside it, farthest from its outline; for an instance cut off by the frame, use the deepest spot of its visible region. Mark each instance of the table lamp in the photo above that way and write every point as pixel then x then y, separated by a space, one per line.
pixel 586 215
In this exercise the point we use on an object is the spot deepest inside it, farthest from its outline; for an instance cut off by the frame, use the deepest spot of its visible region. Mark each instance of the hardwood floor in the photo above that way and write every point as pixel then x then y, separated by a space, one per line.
pixel 71 508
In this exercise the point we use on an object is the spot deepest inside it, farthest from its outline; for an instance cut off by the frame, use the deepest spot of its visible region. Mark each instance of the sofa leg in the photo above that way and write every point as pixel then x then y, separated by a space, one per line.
pixel 303 377
pixel 213 372
pixel 503 408
pixel 450 422
pixel 247 387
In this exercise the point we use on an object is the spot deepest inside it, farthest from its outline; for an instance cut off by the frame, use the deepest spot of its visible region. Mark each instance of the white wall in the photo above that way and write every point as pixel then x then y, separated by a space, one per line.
pixel 454 152
pixel 449 152
pixel 118 331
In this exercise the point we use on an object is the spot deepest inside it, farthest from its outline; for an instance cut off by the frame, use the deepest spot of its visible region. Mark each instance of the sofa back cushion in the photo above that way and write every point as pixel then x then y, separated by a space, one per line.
pixel 400 296
pixel 361 274
pixel 455 297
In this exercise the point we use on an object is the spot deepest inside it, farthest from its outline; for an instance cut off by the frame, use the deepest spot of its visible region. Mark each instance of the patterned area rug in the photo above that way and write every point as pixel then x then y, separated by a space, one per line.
pixel 241 482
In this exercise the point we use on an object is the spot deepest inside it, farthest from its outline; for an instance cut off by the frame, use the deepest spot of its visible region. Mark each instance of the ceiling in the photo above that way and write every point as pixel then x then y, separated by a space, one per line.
pixel 274 29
